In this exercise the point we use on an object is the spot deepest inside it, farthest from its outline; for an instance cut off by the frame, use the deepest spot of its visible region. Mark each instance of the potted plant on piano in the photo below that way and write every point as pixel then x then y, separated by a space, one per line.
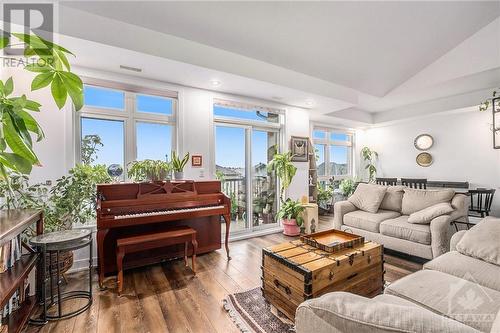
pixel 149 170
pixel 290 212
pixel 178 165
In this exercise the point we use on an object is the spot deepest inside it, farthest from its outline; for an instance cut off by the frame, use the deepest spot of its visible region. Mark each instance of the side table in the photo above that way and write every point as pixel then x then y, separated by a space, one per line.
pixel 55 242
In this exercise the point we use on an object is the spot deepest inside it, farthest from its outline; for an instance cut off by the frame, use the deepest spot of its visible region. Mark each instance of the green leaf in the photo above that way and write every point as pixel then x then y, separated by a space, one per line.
pixel 63 59
pixel 31 124
pixel 9 87
pixel 15 141
pixel 41 81
pixel 4 41
pixel 37 68
pixel 59 92
pixel 21 127
pixel 74 86
pixel 15 162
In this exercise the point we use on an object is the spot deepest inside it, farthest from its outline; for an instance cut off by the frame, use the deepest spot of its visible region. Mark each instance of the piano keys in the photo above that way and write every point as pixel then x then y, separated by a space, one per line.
pixel 125 209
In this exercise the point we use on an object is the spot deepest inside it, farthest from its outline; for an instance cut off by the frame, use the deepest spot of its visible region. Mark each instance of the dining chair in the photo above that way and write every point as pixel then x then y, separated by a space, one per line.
pixel 480 202
pixel 418 183
pixel 386 181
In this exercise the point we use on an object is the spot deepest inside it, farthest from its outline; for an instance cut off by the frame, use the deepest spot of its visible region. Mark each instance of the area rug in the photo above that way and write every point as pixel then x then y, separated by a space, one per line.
pixel 253 314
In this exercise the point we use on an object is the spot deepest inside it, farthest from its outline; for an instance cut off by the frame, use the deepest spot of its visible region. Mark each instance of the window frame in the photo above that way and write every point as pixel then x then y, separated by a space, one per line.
pixel 129 115
pixel 249 126
pixel 328 143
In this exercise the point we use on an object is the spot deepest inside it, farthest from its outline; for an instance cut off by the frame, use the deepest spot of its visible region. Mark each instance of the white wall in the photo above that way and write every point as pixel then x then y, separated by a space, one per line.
pixel 462 151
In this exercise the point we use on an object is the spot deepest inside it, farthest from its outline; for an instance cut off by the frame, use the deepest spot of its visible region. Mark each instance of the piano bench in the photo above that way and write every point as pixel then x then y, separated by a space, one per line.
pixel 142 242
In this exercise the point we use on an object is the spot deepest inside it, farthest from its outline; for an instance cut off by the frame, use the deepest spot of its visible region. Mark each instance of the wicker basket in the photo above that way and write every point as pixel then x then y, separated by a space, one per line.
pixel 65 262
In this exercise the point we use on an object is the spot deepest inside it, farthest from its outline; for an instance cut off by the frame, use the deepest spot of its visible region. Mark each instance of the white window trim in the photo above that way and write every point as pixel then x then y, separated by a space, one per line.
pixel 130 116
pixel 328 142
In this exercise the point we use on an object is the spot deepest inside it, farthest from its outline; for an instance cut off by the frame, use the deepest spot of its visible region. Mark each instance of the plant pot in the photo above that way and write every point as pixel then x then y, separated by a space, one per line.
pixel 179 175
pixel 290 227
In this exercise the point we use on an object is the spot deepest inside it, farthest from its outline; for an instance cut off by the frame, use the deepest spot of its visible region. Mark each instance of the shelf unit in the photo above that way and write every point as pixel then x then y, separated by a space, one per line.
pixel 12 224
pixel 313 175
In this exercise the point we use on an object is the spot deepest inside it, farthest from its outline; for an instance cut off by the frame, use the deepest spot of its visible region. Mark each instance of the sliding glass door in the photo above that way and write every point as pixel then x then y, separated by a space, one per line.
pixel 242 154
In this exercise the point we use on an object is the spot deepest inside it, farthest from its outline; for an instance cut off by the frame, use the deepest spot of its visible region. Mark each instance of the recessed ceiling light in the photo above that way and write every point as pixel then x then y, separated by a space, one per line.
pixel 309 102
pixel 215 83
pixel 277 98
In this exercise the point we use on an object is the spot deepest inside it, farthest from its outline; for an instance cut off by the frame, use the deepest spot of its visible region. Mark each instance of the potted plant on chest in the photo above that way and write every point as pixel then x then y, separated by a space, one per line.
pixel 290 213
pixel 178 165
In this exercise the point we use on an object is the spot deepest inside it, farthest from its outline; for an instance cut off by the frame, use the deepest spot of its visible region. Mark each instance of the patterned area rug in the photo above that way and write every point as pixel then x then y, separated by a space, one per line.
pixel 252 313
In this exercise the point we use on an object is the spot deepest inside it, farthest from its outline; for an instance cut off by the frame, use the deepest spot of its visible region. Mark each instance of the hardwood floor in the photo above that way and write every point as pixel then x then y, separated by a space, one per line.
pixel 168 298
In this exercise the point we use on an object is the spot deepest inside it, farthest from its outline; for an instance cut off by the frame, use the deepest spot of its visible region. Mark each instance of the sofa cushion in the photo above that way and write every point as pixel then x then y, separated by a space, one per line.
pixel 481 241
pixel 468 268
pixel 415 200
pixel 345 312
pixel 459 299
pixel 400 228
pixel 368 197
pixel 426 215
pixel 496 324
pixel 393 198
pixel 368 221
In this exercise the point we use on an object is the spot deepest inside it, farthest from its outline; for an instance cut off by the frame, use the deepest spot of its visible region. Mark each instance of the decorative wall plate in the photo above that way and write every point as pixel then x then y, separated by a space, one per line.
pixel 424 159
pixel 423 141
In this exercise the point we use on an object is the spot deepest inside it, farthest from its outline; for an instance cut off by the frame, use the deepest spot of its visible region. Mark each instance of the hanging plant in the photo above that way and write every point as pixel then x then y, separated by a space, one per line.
pixel 486 104
pixel 285 170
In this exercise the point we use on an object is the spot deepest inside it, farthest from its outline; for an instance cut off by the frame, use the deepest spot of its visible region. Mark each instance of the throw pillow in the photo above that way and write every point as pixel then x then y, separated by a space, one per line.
pixel 415 200
pixel 481 241
pixel 393 198
pixel 368 197
pixel 426 215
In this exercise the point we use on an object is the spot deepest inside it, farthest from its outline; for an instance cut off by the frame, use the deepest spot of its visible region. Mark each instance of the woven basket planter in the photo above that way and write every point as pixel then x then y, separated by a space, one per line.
pixel 65 262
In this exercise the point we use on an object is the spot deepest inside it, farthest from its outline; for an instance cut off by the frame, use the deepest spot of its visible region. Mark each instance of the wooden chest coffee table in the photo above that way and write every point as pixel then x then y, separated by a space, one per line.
pixel 293 272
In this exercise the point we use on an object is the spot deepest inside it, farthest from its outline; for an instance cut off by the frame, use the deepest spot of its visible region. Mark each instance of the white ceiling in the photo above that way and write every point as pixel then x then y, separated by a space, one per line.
pixel 372 47
pixel 354 58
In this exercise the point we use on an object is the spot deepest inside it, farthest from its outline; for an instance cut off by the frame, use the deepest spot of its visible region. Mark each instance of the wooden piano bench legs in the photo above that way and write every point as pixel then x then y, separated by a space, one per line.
pixel 143 242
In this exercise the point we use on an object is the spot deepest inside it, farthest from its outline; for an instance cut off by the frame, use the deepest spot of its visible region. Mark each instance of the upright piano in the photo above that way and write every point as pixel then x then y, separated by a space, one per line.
pixel 125 209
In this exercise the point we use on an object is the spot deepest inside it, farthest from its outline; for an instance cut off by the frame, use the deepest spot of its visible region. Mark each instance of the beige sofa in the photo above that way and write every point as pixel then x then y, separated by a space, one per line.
pixel 456 292
pixel 388 224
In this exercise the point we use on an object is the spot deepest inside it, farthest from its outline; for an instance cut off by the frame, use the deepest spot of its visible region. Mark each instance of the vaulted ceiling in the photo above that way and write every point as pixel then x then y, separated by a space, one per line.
pixel 351 57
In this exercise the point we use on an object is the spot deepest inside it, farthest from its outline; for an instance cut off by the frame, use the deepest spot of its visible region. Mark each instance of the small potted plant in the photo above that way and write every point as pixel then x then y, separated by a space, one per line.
pixel 178 165
pixel 290 212
pixel 149 170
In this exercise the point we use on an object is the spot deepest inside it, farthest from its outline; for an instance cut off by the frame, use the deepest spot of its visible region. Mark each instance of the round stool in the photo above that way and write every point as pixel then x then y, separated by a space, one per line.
pixel 53 243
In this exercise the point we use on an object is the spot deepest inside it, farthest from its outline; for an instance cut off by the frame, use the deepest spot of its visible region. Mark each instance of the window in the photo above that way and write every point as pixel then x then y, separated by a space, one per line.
pixel 246 139
pixel 120 123
pixel 333 149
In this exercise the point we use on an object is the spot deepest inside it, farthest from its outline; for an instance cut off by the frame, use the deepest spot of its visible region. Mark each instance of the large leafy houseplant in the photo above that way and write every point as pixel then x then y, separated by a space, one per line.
pixel 369 157
pixel 49 61
pixel 149 170
pixel 285 170
pixel 347 187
